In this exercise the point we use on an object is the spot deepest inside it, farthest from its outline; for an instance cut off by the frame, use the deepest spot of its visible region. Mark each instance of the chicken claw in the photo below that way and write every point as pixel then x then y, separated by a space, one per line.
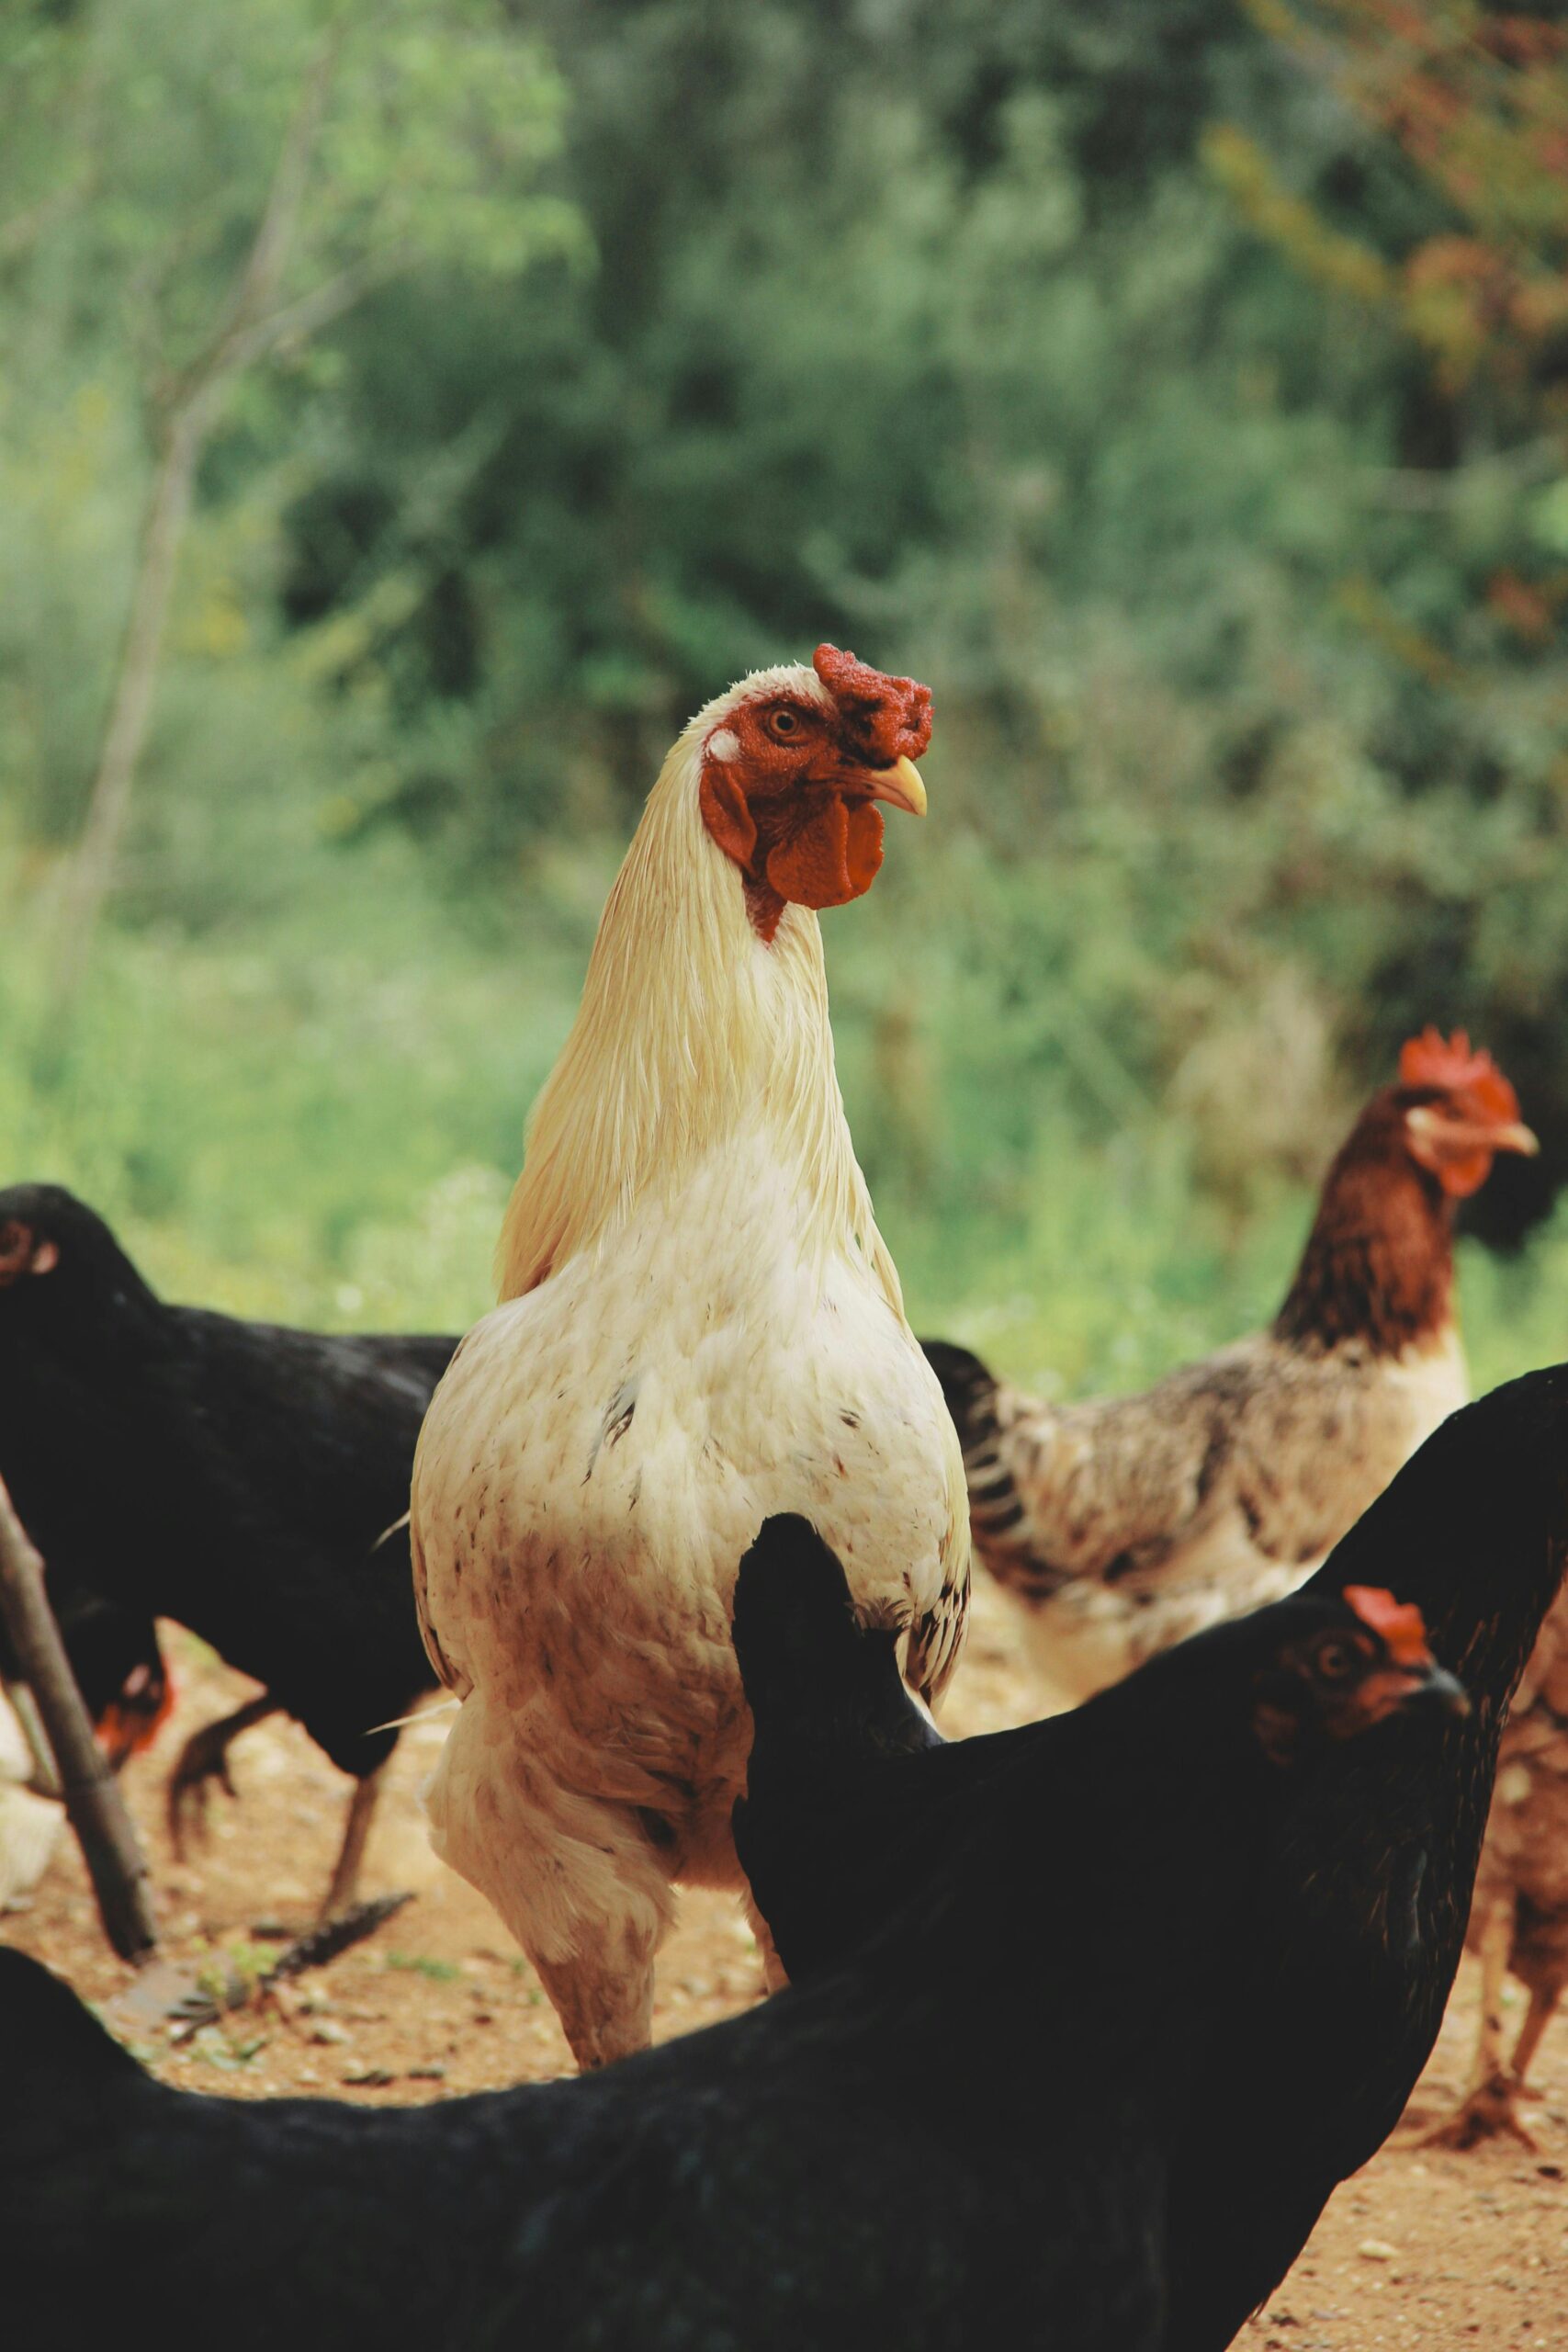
pixel 1486 2113
pixel 202 1760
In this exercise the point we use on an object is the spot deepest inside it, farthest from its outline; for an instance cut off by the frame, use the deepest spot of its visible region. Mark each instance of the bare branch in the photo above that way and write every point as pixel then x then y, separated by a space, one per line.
pixel 255 287
pixel 187 408
pixel 110 1847
pixel 300 320
pixel 258 281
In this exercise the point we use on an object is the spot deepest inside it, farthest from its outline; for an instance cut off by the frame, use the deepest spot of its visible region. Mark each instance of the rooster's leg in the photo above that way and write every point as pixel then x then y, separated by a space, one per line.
pixel 351 1853
pixel 1538 2017
pixel 1488 2108
pixel 579 1879
pixel 205 1759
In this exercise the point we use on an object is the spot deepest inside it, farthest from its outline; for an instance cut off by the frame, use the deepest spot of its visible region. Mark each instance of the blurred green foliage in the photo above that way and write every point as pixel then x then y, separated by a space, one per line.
pixel 1043 350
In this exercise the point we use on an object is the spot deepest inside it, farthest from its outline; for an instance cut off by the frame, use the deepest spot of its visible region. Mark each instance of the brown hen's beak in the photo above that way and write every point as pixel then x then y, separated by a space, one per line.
pixel 1474 1134
pixel 900 785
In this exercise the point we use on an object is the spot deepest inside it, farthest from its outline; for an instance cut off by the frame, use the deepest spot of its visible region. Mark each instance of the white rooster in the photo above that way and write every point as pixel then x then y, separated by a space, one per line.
pixel 702 1326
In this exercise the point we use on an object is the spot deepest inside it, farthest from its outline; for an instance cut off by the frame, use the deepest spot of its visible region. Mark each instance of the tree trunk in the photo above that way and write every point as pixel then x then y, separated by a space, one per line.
pixel 109 1847
pixel 245 331
pixel 162 528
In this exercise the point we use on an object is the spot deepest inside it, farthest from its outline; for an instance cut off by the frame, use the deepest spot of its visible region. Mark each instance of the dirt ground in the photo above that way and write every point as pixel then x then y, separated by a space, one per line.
pixel 1423 2249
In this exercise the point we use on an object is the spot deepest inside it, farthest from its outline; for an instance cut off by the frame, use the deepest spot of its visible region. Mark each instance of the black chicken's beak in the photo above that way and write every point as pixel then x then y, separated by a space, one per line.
pixel 1436 1690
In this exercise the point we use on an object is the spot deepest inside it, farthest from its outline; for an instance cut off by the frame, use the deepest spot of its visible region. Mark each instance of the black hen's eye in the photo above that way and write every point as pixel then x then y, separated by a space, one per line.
pixel 1335 1660
pixel 785 725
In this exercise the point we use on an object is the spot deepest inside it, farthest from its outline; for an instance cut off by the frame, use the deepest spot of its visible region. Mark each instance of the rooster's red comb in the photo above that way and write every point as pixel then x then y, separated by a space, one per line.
pixel 1398 1624
pixel 1431 1060
pixel 890 719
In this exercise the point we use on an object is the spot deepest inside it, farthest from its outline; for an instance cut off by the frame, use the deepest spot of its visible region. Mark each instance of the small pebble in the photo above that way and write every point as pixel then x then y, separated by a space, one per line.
pixel 1377 2250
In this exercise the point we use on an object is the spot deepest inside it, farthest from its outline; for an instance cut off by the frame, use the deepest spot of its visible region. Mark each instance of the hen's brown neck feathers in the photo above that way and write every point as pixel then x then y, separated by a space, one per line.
pixel 1378 1265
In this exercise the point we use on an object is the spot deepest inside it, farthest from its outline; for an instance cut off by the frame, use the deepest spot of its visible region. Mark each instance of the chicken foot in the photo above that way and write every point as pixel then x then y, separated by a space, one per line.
pixel 1487 2111
pixel 1538 2017
pixel 340 1893
pixel 205 1759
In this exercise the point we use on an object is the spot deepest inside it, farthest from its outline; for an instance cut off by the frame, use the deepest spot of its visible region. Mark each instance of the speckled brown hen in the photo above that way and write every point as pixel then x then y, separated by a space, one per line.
pixel 702 1326
pixel 1124 1523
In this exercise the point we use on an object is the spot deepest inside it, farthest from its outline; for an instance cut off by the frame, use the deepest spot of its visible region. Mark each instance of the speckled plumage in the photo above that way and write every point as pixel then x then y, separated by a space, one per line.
pixel 704 1328
pixel 1125 1523
pixel 1128 1522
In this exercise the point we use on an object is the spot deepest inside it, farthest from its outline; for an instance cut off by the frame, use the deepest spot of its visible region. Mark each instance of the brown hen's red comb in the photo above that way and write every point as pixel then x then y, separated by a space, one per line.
pixel 1398 1624
pixel 890 719
pixel 1432 1061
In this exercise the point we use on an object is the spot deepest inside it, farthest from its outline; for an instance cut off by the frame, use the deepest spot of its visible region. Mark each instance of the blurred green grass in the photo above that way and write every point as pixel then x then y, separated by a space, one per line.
pixel 318 1119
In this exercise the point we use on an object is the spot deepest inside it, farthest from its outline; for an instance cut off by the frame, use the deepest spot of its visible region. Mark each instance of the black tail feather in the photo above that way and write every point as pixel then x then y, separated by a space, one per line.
pixel 997 1510
pixel 969 1389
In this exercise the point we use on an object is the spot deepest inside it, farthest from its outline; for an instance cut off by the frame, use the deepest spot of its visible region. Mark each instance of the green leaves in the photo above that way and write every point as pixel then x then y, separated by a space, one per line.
pixel 439 122
pixel 153 145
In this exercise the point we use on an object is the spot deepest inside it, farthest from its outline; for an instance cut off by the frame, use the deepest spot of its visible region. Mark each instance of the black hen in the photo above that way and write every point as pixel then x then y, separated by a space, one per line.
pixel 904 2151
pixel 121 1672
pixel 245 1478
pixel 1335 1978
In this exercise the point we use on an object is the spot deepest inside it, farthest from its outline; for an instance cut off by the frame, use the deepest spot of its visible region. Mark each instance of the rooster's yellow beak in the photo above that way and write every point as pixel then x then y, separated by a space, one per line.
pixel 900 784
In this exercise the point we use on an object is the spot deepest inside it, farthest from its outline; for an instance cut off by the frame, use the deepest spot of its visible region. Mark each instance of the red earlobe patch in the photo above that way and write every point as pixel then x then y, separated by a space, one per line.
pixel 830 859
pixel 725 815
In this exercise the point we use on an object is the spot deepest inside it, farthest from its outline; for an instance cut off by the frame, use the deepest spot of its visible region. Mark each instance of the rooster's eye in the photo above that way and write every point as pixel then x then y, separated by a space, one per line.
pixel 784 725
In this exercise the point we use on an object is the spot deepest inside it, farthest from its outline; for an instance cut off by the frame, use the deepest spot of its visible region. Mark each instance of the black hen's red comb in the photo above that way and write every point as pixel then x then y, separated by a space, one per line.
pixel 889 719
pixel 1399 1623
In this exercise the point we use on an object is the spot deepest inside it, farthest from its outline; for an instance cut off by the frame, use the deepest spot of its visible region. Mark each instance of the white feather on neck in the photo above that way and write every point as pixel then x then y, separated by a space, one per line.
pixel 691 1037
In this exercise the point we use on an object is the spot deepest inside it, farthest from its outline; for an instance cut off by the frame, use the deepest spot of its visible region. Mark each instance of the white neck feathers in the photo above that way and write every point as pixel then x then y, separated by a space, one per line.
pixel 692 1035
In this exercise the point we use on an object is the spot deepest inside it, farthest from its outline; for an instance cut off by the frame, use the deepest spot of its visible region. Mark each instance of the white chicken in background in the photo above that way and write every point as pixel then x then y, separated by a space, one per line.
pixel 702 1326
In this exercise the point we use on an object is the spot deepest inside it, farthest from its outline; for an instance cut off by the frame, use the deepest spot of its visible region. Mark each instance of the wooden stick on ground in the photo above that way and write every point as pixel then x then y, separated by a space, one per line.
pixel 115 1860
